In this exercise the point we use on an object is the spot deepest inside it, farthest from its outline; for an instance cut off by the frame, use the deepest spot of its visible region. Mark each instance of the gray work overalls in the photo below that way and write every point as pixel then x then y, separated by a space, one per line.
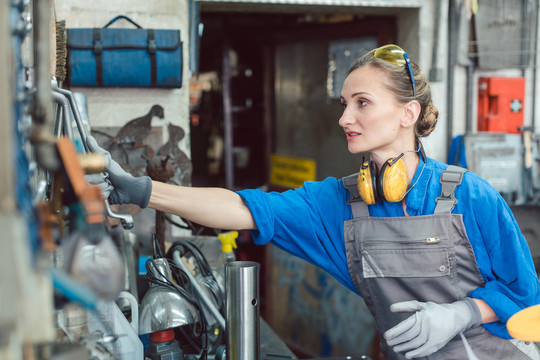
pixel 424 258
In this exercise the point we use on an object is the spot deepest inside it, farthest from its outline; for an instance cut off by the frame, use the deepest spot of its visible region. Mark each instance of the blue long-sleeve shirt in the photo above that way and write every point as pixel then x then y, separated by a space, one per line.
pixel 308 222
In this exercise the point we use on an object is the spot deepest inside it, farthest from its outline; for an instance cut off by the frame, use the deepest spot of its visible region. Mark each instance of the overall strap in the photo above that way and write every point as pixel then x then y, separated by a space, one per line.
pixel 450 179
pixel 358 206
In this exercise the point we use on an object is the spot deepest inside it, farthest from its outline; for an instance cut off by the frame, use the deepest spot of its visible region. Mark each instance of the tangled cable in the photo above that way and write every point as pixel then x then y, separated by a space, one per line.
pixel 186 247
pixel 183 287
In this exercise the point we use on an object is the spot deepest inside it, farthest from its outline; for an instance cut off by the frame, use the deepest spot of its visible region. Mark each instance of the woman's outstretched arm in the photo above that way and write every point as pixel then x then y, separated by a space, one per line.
pixel 212 207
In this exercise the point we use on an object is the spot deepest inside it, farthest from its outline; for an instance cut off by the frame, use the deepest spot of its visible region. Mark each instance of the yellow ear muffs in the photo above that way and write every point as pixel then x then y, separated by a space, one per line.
pixel 392 180
pixel 367 182
pixel 390 184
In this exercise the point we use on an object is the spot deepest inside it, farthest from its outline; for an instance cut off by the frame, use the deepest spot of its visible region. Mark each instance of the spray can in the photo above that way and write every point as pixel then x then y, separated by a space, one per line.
pixel 228 244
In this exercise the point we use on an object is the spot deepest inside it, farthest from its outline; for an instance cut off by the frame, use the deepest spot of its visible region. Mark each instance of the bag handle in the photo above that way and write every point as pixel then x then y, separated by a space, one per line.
pixel 122 17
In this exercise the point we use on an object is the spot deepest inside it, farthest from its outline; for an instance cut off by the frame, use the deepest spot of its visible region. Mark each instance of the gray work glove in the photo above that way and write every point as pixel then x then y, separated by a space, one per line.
pixel 101 181
pixel 126 189
pixel 431 327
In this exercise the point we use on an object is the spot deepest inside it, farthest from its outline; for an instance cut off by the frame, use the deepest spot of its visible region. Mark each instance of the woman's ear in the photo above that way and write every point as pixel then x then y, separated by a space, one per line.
pixel 411 113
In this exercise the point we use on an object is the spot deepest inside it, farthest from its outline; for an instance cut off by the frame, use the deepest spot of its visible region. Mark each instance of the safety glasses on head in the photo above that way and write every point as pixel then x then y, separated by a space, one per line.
pixel 395 55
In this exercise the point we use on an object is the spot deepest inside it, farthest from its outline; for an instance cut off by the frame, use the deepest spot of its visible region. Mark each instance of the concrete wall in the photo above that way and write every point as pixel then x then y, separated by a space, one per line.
pixel 113 107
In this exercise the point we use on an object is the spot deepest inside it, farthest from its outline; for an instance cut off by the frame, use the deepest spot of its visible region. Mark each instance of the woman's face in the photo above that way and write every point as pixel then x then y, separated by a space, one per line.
pixel 371 113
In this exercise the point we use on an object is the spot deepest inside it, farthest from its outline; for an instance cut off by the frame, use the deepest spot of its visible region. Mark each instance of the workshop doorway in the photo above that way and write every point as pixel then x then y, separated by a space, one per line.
pixel 281 102
pixel 275 69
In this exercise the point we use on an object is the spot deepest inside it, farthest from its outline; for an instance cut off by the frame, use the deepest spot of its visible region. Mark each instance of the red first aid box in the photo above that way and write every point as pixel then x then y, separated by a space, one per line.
pixel 501 104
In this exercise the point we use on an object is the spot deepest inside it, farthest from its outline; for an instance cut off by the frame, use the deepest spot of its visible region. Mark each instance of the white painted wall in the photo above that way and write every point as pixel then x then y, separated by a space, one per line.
pixel 116 106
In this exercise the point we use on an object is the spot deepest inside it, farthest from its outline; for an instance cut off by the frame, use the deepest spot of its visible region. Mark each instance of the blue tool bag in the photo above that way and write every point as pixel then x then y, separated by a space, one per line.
pixel 104 57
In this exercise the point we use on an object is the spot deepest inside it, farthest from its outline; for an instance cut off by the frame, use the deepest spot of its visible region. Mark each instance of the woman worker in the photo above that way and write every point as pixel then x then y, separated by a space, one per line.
pixel 434 251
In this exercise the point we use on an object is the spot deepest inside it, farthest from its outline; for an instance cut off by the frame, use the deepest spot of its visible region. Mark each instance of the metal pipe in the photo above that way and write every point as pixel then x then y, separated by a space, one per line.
pixel 535 60
pixel 242 310
pixel 469 123
pixel 75 112
pixel 227 118
pixel 61 100
pixel 453 21
pixel 434 71
pixel 206 301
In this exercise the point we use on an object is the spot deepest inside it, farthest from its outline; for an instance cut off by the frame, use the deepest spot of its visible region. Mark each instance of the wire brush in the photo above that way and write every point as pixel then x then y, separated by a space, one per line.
pixel 61 51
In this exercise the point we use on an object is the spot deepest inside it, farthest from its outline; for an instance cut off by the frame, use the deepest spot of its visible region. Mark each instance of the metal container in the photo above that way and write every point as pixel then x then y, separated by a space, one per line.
pixel 242 310
pixel 162 307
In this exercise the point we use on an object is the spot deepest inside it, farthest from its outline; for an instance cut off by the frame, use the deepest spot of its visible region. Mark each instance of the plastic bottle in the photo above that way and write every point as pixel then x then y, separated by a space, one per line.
pixel 163 346
pixel 130 346
pixel 228 243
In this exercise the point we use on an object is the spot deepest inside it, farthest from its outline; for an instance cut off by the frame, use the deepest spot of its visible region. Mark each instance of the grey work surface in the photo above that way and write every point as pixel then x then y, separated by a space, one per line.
pixel 272 347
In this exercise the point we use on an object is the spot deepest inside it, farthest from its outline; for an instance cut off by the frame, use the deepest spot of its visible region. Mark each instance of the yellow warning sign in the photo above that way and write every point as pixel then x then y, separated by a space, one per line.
pixel 291 171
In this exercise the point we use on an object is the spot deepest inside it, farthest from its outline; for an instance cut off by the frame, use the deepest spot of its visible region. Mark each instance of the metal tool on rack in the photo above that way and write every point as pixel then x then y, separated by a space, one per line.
pixel 69 112
pixel 89 253
pixel 207 303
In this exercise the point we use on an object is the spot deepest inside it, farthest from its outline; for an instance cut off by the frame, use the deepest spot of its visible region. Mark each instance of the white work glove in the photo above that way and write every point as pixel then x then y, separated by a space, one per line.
pixel 432 325
pixel 126 189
